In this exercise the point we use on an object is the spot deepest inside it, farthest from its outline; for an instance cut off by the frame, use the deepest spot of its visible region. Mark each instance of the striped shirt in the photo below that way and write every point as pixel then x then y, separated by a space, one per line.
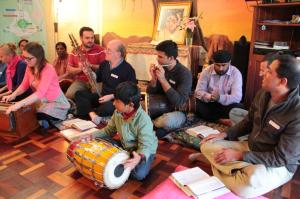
pixel 95 56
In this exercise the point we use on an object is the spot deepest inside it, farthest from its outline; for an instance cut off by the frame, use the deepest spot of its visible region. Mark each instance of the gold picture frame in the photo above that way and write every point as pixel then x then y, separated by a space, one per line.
pixel 168 19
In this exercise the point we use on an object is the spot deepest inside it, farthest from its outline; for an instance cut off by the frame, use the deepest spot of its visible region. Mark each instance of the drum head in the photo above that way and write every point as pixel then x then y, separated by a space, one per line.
pixel 113 179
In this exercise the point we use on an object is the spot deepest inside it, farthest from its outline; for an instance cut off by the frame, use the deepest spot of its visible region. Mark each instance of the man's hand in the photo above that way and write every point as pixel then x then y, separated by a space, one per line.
pixel 214 137
pixel 215 96
pixel 132 162
pixel 152 71
pixel 84 69
pixel 160 73
pixel 228 155
pixel 106 98
pixel 206 97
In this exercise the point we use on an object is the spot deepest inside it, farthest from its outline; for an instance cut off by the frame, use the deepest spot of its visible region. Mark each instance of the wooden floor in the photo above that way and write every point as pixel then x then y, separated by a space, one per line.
pixel 37 167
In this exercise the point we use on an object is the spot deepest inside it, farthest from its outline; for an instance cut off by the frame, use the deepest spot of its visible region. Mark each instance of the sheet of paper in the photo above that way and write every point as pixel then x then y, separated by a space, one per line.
pixel 205 185
pixel 190 175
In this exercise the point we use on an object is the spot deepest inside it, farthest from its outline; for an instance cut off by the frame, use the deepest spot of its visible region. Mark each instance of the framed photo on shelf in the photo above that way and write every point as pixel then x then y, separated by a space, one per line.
pixel 168 20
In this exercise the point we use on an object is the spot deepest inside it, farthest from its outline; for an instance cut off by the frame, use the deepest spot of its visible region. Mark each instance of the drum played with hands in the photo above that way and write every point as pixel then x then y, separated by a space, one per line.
pixel 100 161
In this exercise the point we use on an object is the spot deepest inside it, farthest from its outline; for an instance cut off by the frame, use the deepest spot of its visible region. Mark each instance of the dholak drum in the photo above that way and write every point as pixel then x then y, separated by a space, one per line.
pixel 156 105
pixel 100 161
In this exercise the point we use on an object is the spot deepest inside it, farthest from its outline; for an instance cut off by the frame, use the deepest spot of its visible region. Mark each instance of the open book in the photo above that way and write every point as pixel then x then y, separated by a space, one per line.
pixel 73 134
pixel 197 183
pixel 201 131
pixel 79 124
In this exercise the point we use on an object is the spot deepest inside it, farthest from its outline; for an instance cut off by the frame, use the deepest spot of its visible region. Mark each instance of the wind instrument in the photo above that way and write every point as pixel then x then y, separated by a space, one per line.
pixel 85 64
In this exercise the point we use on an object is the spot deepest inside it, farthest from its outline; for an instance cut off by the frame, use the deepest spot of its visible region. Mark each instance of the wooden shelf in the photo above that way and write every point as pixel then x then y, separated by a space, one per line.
pixel 277 31
pixel 278 24
pixel 278 4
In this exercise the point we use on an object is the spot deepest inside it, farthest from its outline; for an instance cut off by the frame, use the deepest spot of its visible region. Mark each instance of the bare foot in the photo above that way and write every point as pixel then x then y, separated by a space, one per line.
pixel 226 122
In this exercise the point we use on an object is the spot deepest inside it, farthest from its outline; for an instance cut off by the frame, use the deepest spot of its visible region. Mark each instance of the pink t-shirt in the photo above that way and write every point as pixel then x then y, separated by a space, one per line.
pixel 46 87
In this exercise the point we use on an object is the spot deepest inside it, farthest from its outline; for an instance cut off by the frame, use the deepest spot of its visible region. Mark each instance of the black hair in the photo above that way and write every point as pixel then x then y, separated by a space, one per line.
pixel 62 44
pixel 270 57
pixel 221 56
pixel 85 29
pixel 128 92
pixel 19 43
pixel 169 47
pixel 289 68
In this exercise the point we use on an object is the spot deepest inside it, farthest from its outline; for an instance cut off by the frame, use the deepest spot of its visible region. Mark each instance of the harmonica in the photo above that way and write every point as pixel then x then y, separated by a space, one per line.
pixel 164 65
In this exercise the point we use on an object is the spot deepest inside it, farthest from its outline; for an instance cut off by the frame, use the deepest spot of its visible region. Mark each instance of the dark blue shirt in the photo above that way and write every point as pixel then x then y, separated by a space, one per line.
pixel 111 78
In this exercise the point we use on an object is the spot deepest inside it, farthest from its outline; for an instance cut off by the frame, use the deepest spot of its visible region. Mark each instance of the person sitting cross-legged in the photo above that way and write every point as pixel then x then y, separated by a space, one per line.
pixel 173 80
pixel 219 88
pixel 271 155
pixel 135 129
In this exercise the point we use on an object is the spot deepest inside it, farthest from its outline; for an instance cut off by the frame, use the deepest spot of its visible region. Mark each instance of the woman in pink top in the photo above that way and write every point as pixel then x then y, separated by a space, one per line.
pixel 42 78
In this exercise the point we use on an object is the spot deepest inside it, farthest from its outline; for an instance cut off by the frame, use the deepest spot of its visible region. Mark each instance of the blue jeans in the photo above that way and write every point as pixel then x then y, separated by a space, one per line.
pixel 170 121
pixel 142 169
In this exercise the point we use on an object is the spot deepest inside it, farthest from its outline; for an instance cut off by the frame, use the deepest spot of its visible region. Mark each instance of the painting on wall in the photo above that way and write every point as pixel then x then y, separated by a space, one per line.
pixel 169 19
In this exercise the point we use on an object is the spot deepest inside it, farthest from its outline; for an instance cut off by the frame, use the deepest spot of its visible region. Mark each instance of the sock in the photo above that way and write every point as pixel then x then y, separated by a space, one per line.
pixel 44 124
pixel 97 120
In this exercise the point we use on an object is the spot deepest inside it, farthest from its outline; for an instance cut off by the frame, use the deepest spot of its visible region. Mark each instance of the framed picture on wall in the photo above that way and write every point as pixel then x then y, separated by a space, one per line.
pixel 168 19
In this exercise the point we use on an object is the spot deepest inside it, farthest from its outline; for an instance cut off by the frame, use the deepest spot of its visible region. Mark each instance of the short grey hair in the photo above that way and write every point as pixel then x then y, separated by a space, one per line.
pixel 122 50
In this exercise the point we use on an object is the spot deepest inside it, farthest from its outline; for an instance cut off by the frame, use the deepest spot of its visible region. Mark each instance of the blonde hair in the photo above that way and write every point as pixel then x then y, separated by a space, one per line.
pixel 9 49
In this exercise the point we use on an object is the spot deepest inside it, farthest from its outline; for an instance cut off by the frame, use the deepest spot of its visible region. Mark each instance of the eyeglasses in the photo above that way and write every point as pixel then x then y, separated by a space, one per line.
pixel 28 58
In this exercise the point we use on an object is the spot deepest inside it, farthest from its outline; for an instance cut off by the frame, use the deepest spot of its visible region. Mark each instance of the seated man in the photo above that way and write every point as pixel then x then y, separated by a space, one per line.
pixel 271 155
pixel 173 80
pixel 135 129
pixel 111 73
pixel 94 55
pixel 219 88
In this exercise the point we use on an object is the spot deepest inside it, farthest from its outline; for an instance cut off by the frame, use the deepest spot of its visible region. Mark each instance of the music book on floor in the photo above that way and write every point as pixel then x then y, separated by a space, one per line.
pixel 73 134
pixel 197 183
pixel 201 131
pixel 79 124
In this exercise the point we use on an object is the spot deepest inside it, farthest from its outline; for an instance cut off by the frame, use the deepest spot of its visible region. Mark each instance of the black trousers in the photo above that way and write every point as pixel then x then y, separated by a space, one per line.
pixel 44 116
pixel 213 111
pixel 86 102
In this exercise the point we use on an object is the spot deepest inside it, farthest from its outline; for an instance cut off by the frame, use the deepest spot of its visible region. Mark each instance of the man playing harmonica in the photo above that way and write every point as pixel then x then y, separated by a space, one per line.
pixel 174 81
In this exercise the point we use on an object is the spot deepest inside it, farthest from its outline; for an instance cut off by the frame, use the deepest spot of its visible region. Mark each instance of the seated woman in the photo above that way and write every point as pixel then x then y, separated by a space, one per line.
pixel 60 64
pixel 15 70
pixel 42 78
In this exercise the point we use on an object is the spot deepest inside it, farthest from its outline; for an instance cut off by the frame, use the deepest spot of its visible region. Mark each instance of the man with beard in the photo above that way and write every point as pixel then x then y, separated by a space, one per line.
pixel 172 79
pixel 271 155
pixel 94 55
pixel 219 88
